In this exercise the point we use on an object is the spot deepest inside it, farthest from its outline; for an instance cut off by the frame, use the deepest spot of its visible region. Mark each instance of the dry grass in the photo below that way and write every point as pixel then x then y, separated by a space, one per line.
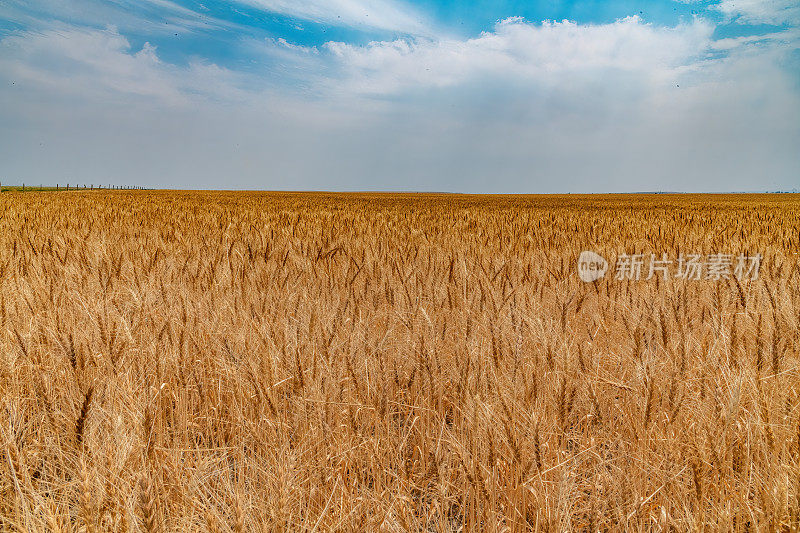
pixel 269 362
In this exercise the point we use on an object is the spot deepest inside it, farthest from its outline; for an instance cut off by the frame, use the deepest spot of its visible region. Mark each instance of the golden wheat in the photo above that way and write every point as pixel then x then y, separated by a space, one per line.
pixel 187 361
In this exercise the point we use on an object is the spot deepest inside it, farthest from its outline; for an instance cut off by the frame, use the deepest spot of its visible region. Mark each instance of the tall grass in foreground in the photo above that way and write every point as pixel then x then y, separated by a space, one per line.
pixel 293 362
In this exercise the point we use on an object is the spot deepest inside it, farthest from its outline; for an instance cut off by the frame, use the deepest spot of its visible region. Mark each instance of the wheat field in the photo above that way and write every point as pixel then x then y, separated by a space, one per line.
pixel 214 361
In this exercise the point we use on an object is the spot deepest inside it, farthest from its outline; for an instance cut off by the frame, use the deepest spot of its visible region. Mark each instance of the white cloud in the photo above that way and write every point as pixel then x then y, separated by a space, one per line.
pixel 390 15
pixel 761 11
pixel 100 64
pixel 541 53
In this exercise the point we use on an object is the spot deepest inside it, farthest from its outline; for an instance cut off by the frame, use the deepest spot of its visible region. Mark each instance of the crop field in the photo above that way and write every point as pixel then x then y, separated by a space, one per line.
pixel 215 361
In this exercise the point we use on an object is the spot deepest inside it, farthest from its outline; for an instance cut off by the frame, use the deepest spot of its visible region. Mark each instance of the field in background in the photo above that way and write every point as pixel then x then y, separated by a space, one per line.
pixel 311 362
pixel 62 188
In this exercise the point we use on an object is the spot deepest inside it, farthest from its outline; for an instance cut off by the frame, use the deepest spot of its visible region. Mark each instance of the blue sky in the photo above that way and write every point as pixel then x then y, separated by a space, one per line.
pixel 464 96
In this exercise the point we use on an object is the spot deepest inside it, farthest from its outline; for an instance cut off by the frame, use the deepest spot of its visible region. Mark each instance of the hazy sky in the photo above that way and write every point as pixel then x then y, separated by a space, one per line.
pixel 440 95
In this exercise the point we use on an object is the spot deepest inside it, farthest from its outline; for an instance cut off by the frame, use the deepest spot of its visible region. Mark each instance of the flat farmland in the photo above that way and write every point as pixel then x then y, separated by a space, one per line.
pixel 220 361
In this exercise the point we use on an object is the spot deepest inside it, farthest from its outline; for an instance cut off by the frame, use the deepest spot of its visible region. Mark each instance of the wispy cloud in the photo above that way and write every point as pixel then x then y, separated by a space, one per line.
pixel 144 16
pixel 761 11
pixel 388 15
